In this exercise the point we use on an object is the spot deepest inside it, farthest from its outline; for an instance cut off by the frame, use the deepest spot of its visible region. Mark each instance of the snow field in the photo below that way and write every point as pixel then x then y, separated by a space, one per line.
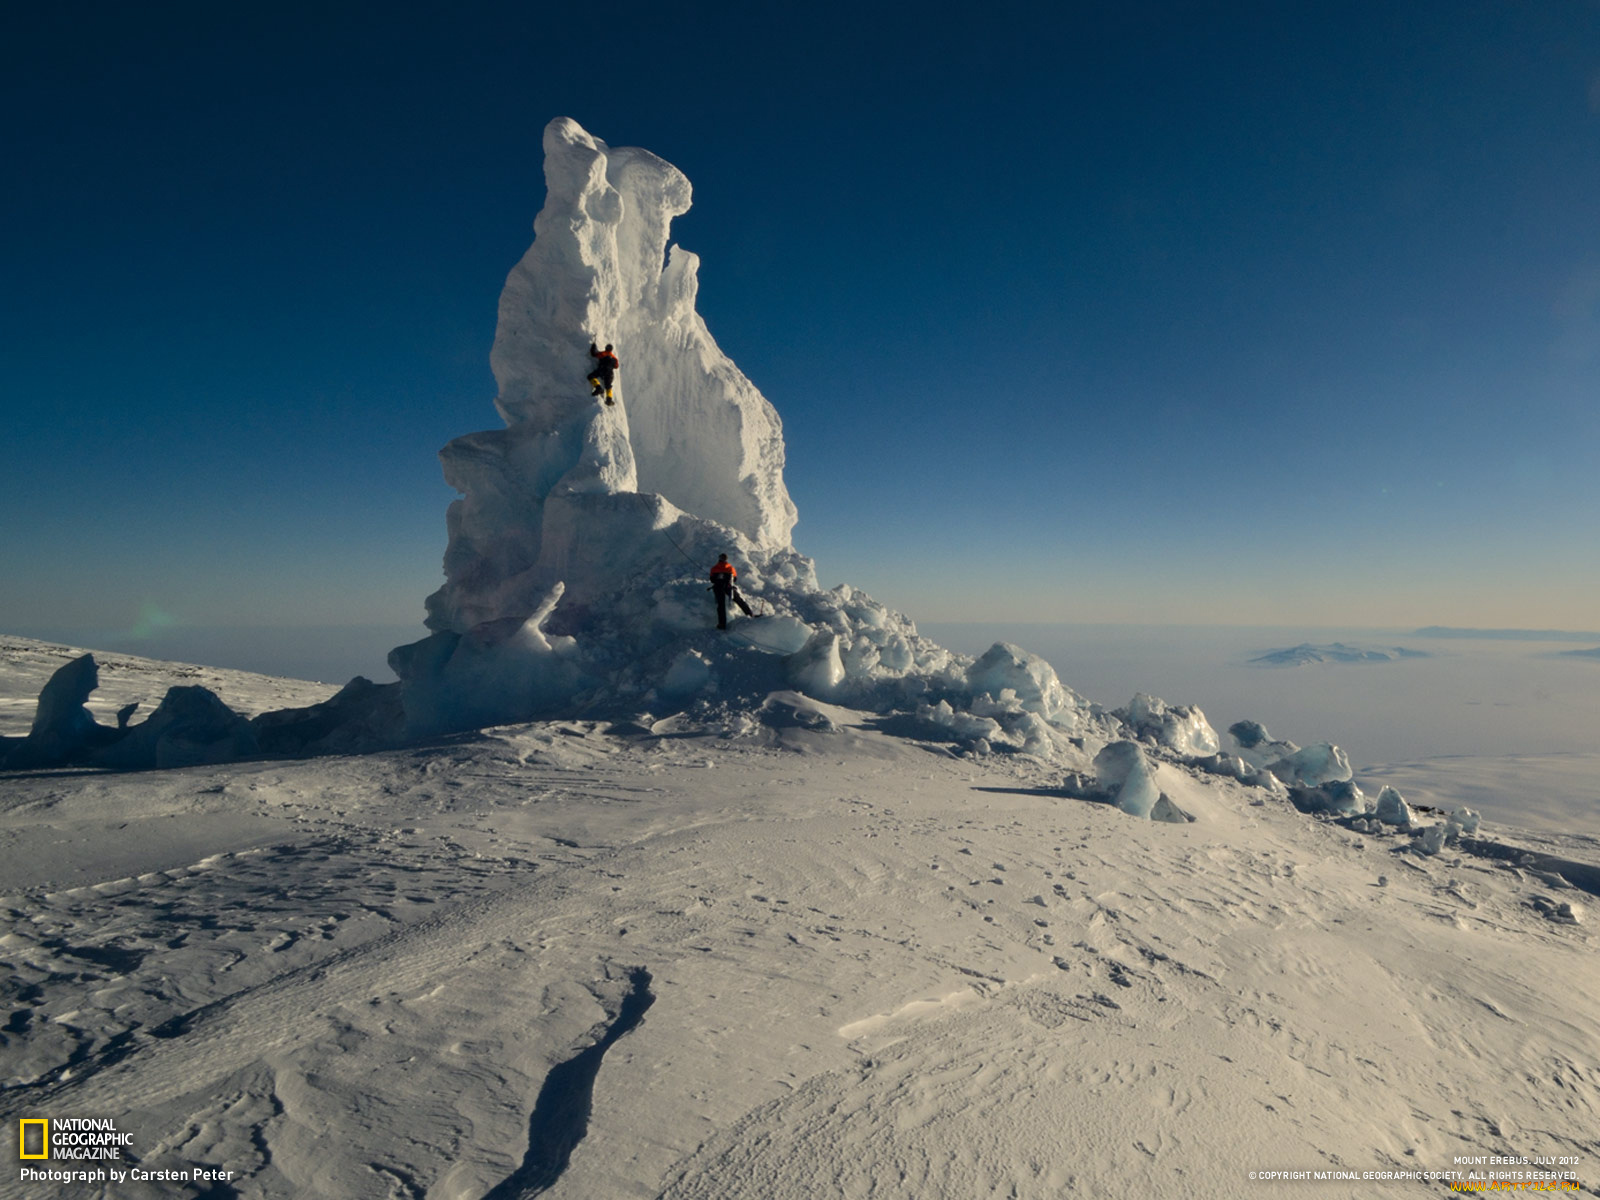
pixel 876 967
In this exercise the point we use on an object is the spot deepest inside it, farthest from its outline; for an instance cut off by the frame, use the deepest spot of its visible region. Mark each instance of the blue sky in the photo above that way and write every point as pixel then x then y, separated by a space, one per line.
pixel 1157 312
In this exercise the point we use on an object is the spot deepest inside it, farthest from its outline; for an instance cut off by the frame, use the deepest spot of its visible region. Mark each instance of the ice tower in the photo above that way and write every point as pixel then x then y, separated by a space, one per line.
pixel 576 567
pixel 578 493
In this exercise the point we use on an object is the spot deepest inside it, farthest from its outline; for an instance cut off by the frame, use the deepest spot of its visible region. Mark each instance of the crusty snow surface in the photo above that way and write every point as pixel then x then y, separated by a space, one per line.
pixel 872 967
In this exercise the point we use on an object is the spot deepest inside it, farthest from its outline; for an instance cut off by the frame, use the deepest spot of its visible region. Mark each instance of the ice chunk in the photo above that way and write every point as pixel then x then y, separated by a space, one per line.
pixel 1230 765
pixel 190 726
pixel 791 710
pixel 690 673
pixel 1005 704
pixel 860 658
pixel 1432 839
pixel 579 492
pixel 1318 764
pixel 63 728
pixel 1036 733
pixel 781 633
pixel 1235 767
pixel 361 716
pixel 1436 837
pixel 1033 681
pixel 61 721
pixel 1182 728
pixel 1112 764
pixel 1392 808
pixel 1121 769
pixel 1256 746
pixel 499 672
pixel 1568 912
pixel 1166 810
pixel 1340 797
pixel 1138 795
pixel 1249 734
pixel 816 668
pixel 895 654
pixel 963 724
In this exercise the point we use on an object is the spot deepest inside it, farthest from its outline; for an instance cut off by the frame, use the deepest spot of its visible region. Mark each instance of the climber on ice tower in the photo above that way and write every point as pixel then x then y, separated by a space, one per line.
pixel 722 577
pixel 605 369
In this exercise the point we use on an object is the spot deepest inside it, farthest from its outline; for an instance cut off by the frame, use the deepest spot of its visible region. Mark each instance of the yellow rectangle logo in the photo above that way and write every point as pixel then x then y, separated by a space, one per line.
pixel 33 1137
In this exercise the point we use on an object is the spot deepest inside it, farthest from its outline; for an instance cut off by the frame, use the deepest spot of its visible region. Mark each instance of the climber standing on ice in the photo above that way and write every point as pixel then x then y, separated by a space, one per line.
pixel 605 370
pixel 722 577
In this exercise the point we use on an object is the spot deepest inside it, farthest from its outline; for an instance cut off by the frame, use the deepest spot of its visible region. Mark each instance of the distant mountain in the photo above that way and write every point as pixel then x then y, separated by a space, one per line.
pixel 1304 654
pixel 1508 635
pixel 1595 653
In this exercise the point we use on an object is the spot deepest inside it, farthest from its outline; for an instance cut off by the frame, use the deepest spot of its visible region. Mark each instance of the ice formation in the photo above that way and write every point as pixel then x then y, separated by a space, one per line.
pixel 1432 839
pixel 583 494
pixel 1124 773
pixel 1309 767
pixel 62 722
pixel 576 512
pixel 1313 765
pixel 1338 797
pixel 1181 727
pixel 1393 810
pixel 1256 746
pixel 1124 776
pixel 575 570
pixel 191 725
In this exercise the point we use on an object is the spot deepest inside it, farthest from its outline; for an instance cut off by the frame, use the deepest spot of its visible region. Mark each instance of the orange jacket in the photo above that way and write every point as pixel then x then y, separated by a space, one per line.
pixel 723 575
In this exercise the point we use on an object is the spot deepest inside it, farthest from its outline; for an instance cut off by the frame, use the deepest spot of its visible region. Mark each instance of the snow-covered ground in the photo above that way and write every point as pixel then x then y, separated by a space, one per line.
pixel 1502 725
pixel 865 966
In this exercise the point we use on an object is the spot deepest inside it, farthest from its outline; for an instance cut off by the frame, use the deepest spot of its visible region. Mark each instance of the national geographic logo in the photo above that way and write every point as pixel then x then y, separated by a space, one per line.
pixel 89 1150
pixel 75 1139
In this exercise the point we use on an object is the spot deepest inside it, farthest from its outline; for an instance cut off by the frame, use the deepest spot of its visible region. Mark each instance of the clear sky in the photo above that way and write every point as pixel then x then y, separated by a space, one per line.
pixel 1159 312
